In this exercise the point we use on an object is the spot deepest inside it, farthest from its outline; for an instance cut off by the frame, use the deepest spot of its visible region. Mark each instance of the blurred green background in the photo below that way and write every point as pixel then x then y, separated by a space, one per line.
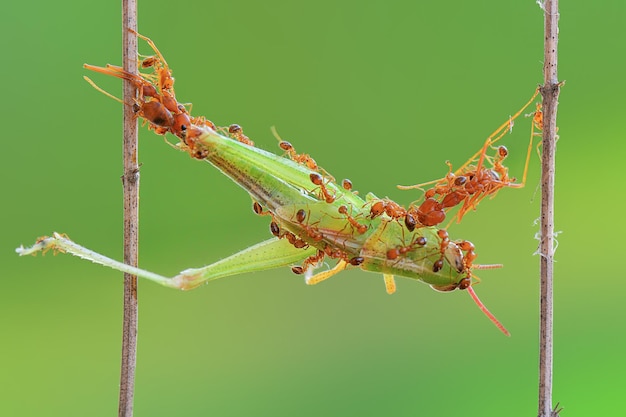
pixel 382 94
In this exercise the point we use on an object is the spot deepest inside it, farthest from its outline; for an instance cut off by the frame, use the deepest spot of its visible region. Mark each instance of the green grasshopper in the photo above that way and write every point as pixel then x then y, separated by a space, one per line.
pixel 312 217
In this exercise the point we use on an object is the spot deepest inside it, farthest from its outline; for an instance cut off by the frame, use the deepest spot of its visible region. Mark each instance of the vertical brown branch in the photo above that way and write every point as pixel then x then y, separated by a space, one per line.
pixel 550 93
pixel 130 181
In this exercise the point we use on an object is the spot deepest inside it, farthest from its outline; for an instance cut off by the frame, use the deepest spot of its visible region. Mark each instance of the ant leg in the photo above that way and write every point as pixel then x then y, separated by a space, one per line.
pixel 499 132
pixel 437 182
pixel 152 45
pixel 538 125
pixel 106 93
pixel 118 72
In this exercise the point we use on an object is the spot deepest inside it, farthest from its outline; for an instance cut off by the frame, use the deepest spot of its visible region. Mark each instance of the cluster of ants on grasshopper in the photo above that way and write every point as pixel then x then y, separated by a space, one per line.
pixel 312 216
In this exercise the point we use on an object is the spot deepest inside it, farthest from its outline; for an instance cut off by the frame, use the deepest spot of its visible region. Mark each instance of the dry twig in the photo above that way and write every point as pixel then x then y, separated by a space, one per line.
pixel 550 93
pixel 130 180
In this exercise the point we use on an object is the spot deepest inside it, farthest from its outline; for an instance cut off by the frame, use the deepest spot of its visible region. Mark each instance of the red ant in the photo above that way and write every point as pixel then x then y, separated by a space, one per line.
pixel 469 184
pixel 311 231
pixel 318 180
pixel 336 253
pixel 396 212
pixel 295 241
pixel 391 208
pixel 449 251
pixel 537 117
pixel 237 132
pixel 395 253
pixel 361 228
pixel 468 187
pixel 152 110
pixel 308 262
pixel 304 159
pixel 258 209
pixel 429 213
pixel 313 260
pixel 158 104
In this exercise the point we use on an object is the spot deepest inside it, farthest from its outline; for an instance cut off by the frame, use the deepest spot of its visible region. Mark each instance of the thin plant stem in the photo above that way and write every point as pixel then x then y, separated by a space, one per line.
pixel 130 181
pixel 550 93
